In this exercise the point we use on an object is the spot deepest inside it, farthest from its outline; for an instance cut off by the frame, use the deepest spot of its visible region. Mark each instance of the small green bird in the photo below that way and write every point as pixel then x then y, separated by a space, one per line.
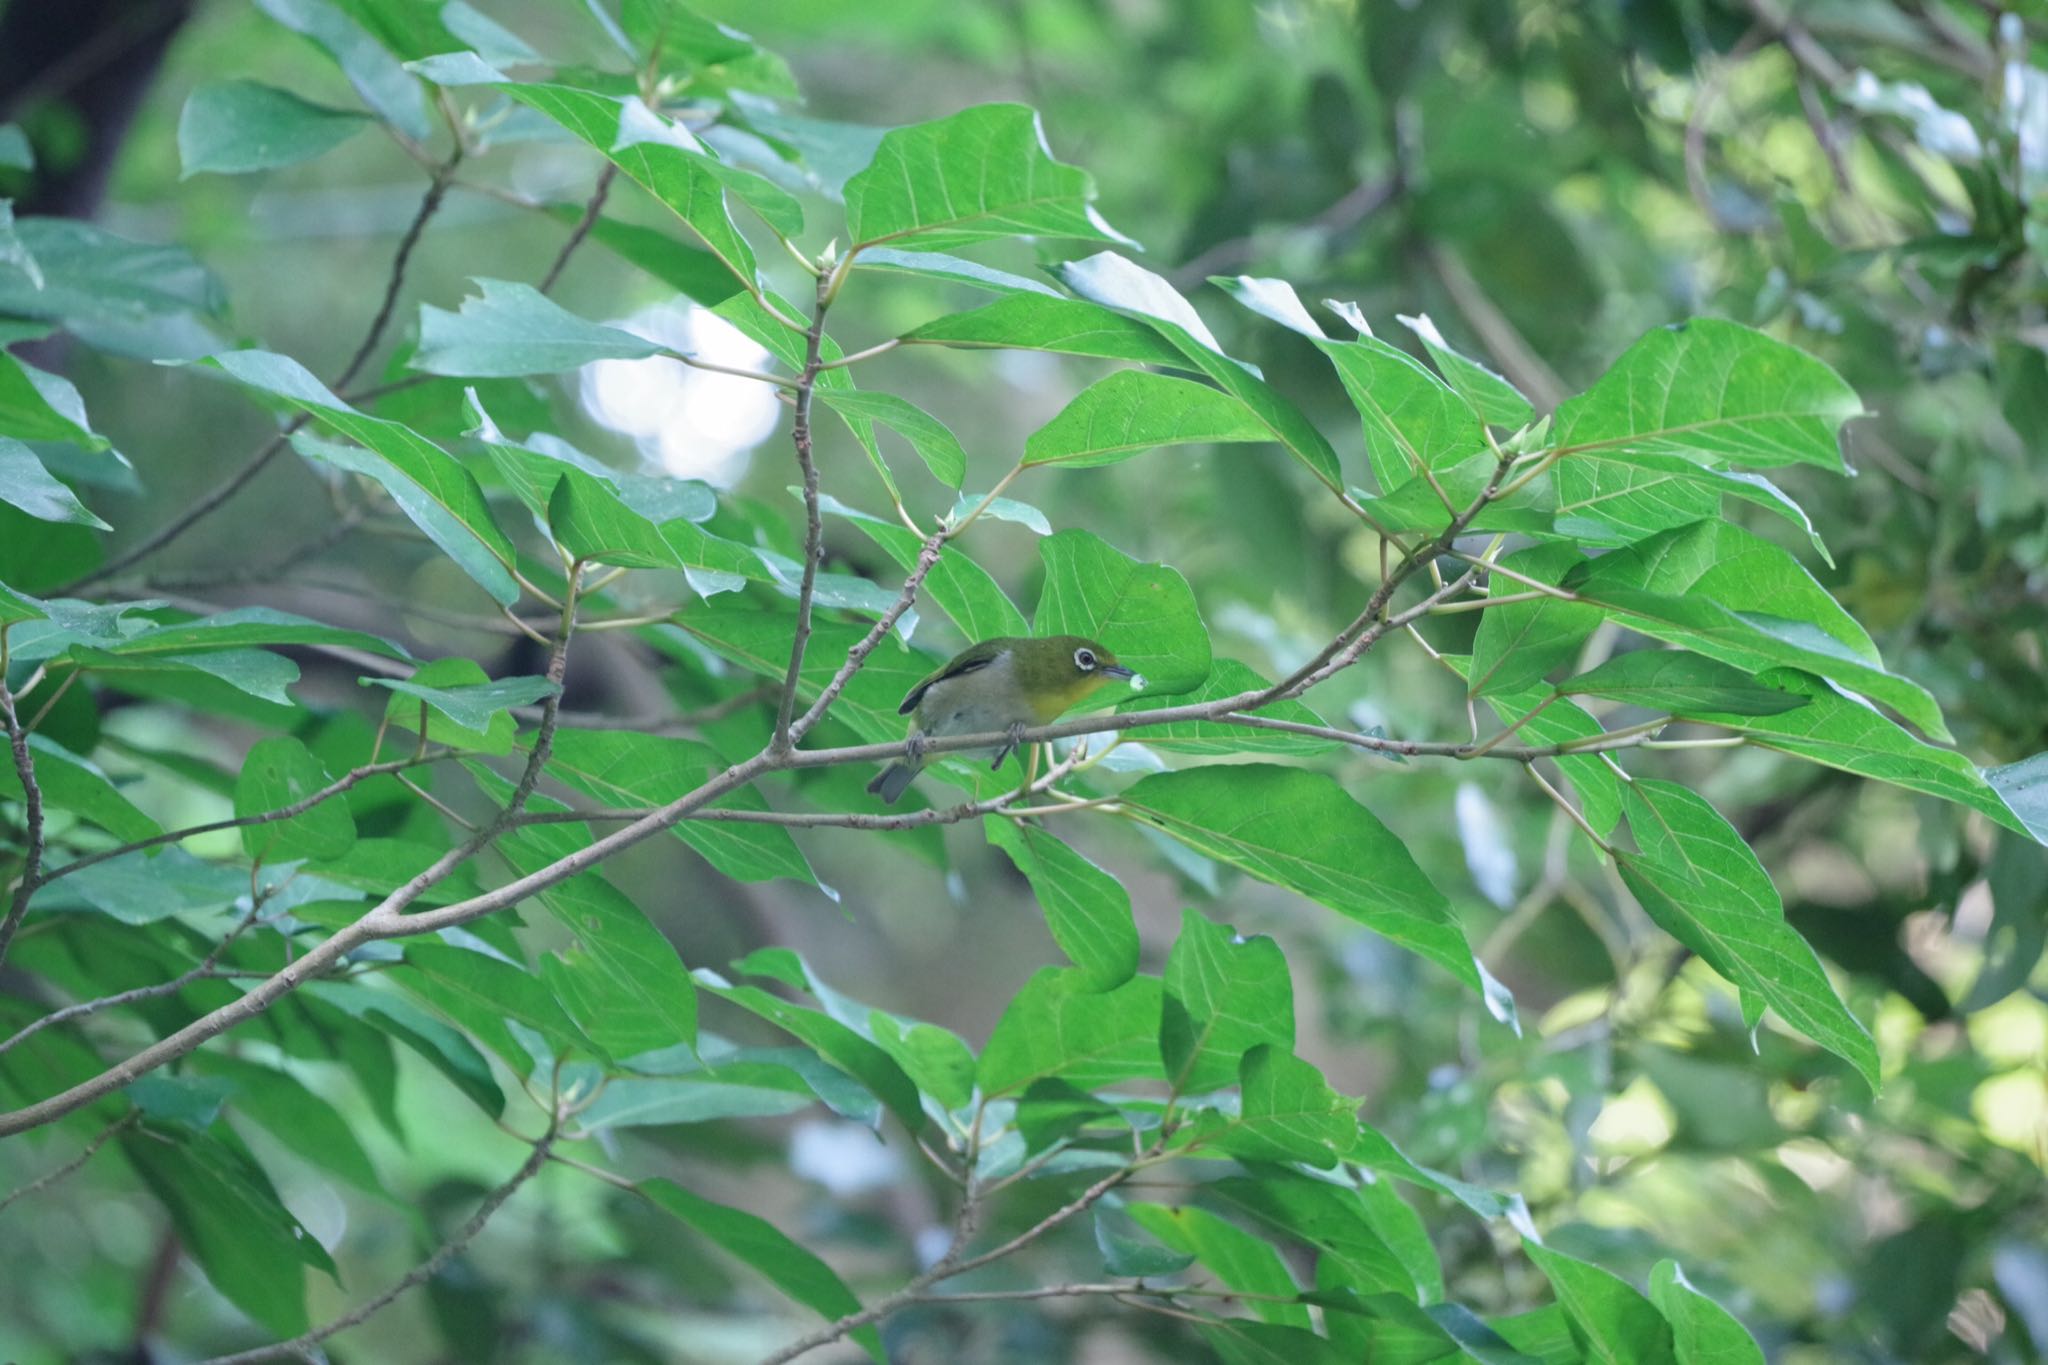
pixel 1010 683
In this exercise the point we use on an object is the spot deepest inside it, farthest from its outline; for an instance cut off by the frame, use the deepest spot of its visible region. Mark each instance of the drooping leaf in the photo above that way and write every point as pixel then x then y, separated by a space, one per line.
pixel 956 584
pixel 978 175
pixel 430 487
pixel 839 1044
pixel 933 441
pixel 1703 886
pixel 1129 1248
pixel 1144 613
pixel 791 1267
pixel 374 71
pixel 1088 911
pixel 36 405
pixel 71 783
pixel 26 484
pixel 1301 830
pixel 1414 421
pixel 1244 1262
pixel 237 126
pixel 230 1221
pixel 1114 282
pixel 1492 399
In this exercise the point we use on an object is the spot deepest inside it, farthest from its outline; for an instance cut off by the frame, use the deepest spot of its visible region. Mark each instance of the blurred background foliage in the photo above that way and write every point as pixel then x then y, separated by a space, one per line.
pixel 1544 180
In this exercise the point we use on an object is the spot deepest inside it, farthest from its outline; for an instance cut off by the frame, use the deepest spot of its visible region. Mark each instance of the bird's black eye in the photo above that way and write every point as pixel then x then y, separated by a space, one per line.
pixel 1084 659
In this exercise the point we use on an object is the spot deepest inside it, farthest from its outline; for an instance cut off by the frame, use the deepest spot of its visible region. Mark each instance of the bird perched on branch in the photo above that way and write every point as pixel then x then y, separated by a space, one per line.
pixel 1010 683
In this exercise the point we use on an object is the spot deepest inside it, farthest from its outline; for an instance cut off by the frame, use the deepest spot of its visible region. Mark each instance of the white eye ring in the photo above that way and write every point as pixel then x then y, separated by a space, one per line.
pixel 1084 659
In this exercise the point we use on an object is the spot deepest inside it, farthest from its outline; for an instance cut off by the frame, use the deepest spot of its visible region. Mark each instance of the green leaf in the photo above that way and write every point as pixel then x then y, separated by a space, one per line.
pixel 261 675
pixel 71 783
pixel 1702 885
pixel 1239 1342
pixel 1057 1025
pixel 1227 678
pixel 481 993
pixel 1088 911
pixel 661 156
pixel 1128 1248
pixel 1719 591
pixel 1606 496
pixel 1223 993
pixel 759 642
pixel 471 706
pixel 1302 831
pixel 839 1044
pixel 1327 1216
pixel 1413 420
pixel 1393 1329
pixel 1714 390
pixel 278 772
pixel 36 405
pixel 27 485
pixel 1246 1263
pixel 933 441
pixel 1047 322
pixel 982 174
pixel 1110 280
pixel 2023 786
pixel 393 1015
pixel 622 768
pixel 1492 399
pixel 1135 410
pixel 793 1269
pixel 492 40
pixel 15 152
pixel 127 297
pixel 1288 1112
pixel 1680 683
pixel 141 888
pixel 246 626
pixel 1704 1332
pixel 1144 613
pixel 230 1221
pixel 430 487
pixel 514 329
pixel 954 269
pixel 956 584
pixel 375 73
pixel 637 1103
pixel 1611 1321
pixel 620 979
pixel 1596 782
pixel 300 1119
pixel 1519 642
pixel 237 126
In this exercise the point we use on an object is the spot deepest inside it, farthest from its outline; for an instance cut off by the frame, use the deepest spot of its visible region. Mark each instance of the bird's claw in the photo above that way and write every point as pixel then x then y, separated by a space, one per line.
pixel 1016 733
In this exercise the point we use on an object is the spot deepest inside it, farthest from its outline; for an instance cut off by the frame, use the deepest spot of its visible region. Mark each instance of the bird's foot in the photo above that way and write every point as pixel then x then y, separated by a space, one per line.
pixel 1016 733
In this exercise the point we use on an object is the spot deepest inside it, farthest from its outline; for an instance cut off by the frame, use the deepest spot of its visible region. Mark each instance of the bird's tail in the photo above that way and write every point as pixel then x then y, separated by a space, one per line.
pixel 893 781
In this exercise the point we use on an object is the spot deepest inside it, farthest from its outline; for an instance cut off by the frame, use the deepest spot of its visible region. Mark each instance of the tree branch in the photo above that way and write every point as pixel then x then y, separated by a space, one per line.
pixel 927 557
pixel 598 195
pixel 32 801
pixel 814 522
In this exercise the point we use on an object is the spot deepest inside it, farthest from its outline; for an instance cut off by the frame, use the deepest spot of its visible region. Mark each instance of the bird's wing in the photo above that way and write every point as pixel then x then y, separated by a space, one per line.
pixel 971 661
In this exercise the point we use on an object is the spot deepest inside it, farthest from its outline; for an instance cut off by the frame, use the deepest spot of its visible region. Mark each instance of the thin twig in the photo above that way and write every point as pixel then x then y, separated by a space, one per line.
pixel 927 557
pixel 32 803
pixel 298 807
pixel 419 1274
pixel 814 522
pixel 43 1182
pixel 203 971
pixel 583 226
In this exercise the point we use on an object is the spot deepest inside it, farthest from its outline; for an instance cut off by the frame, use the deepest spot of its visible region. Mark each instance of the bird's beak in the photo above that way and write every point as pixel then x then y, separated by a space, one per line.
pixel 1119 671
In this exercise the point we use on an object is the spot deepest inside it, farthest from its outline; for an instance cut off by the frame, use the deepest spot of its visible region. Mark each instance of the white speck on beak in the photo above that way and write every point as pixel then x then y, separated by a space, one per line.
pixel 1137 682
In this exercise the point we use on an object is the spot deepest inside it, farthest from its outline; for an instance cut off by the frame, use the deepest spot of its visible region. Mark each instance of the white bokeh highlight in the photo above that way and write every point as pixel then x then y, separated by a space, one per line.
pixel 690 423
